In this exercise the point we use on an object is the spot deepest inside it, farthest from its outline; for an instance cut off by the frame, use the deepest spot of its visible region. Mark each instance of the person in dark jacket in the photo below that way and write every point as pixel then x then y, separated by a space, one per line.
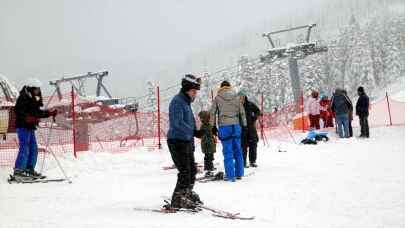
pixel 28 110
pixel 249 134
pixel 362 107
pixel 180 140
pixel 350 115
pixel 341 106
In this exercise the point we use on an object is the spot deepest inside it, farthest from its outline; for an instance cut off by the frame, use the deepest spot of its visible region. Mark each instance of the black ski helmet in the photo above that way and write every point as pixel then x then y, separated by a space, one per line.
pixel 360 89
pixel 225 83
pixel 189 82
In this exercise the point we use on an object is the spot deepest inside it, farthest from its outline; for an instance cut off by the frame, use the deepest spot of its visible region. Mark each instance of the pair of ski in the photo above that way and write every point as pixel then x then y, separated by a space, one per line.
pixel 174 167
pixel 200 207
pixel 219 176
pixel 198 165
pixel 13 180
pixel 215 177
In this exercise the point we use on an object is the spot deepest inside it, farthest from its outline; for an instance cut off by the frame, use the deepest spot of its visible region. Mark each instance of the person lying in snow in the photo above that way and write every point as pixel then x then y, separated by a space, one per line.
pixel 314 136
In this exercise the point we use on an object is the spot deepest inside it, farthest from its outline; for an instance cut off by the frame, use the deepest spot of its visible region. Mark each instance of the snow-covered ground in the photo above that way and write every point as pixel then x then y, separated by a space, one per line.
pixel 343 183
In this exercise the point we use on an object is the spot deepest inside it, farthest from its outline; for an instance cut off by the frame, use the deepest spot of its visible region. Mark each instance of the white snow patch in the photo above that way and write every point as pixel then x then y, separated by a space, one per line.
pixel 341 183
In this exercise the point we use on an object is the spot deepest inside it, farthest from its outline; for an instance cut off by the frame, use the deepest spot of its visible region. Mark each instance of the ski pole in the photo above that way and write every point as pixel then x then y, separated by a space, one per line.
pixel 60 167
pixel 48 140
pixel 56 159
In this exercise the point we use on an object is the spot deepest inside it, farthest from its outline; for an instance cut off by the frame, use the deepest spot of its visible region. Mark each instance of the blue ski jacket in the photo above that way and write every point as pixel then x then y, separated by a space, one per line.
pixel 181 118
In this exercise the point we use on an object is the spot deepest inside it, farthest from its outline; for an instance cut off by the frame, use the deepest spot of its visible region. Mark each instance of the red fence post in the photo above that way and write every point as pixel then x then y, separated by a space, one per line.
pixel 389 109
pixel 73 121
pixel 262 114
pixel 302 111
pixel 158 123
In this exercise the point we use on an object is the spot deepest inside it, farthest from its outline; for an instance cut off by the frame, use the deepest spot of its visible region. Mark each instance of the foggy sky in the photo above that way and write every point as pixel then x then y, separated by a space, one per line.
pixel 133 40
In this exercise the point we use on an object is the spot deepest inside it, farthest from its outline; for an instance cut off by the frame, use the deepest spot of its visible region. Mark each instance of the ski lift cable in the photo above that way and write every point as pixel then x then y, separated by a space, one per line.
pixel 215 74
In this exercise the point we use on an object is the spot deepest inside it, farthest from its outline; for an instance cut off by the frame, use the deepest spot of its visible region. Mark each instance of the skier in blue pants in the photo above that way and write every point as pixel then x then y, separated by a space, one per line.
pixel 342 106
pixel 228 110
pixel 28 110
pixel 230 136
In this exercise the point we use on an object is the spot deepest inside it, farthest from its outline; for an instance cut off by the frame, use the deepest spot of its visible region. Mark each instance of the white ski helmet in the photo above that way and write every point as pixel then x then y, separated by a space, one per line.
pixel 33 82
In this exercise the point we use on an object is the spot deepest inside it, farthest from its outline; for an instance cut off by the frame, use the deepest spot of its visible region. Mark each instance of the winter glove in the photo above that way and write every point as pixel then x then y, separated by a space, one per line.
pixel 31 120
pixel 244 132
pixel 215 130
pixel 53 112
pixel 200 133
pixel 245 129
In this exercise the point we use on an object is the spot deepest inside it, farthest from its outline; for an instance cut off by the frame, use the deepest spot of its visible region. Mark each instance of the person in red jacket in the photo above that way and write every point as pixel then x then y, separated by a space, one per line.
pixel 314 110
pixel 326 112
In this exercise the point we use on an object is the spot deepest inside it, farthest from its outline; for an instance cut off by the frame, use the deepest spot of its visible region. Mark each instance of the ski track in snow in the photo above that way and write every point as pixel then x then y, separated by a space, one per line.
pixel 342 183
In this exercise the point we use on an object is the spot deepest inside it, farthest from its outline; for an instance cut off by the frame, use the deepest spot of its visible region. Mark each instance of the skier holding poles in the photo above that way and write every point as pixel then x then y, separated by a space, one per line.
pixel 28 110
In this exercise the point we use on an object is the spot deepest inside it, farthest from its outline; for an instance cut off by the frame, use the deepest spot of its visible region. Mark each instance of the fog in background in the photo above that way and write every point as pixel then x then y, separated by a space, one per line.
pixel 135 41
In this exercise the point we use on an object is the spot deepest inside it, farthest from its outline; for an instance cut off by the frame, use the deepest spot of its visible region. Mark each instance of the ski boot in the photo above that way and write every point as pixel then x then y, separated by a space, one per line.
pixel 229 179
pixel 34 174
pixel 20 176
pixel 208 173
pixel 180 200
pixel 219 176
pixel 253 164
pixel 193 196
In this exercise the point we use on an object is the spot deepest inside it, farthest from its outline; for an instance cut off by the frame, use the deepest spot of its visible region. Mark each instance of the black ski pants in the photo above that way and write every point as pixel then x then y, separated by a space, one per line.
pixel 208 162
pixel 250 145
pixel 182 153
pixel 364 129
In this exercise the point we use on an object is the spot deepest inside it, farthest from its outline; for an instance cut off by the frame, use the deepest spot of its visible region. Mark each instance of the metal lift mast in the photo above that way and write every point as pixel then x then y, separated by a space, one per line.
pixel 293 53
pixel 80 80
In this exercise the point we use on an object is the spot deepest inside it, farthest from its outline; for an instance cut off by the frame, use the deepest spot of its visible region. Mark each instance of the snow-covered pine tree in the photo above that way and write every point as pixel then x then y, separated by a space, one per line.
pixel 203 100
pixel 151 99
pixel 311 73
pixel 246 74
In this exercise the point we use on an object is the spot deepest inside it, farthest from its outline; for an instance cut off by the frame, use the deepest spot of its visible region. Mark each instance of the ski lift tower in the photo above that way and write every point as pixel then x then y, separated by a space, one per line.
pixel 293 52
pixel 78 83
pixel 9 91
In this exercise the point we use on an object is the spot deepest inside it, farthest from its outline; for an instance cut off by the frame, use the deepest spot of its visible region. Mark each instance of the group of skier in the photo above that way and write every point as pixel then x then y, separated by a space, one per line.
pixel 232 118
pixel 341 108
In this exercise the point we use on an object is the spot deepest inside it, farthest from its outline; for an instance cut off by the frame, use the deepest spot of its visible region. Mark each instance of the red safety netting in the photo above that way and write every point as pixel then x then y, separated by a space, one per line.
pixel 387 112
pixel 94 126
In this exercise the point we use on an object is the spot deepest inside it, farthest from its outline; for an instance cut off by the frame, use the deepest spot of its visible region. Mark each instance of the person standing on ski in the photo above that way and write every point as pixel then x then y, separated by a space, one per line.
pixel 326 112
pixel 249 134
pixel 350 115
pixel 314 109
pixel 228 111
pixel 208 145
pixel 28 110
pixel 362 107
pixel 180 140
pixel 341 106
